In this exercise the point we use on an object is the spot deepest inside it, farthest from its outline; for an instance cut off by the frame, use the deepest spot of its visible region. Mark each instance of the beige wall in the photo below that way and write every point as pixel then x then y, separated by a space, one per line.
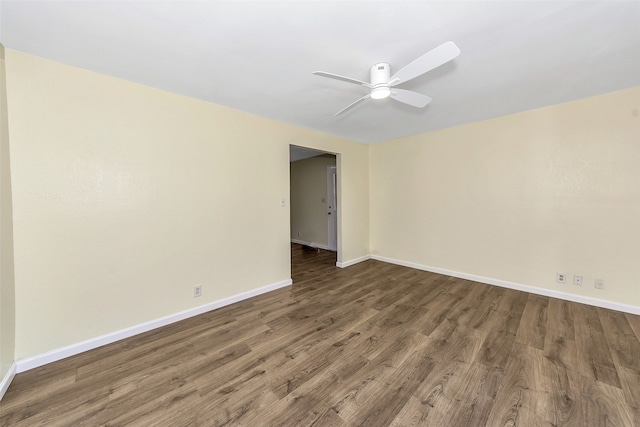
pixel 519 198
pixel 7 299
pixel 125 197
pixel 309 205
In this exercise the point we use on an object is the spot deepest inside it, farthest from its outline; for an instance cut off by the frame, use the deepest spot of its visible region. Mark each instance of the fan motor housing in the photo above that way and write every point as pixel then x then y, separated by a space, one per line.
pixel 380 73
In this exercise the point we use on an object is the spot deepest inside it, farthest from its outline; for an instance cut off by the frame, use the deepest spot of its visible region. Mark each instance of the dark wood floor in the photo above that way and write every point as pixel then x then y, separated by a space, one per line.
pixel 374 344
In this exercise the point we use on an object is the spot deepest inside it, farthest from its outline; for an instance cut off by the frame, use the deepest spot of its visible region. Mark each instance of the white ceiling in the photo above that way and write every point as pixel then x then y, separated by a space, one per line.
pixel 258 56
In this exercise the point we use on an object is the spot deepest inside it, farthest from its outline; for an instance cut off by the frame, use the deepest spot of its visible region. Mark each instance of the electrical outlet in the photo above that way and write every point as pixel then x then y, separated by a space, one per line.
pixel 561 278
pixel 197 291
pixel 599 283
pixel 577 280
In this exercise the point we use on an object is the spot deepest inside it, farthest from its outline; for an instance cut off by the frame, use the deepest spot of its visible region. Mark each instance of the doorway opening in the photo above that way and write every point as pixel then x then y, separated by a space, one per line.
pixel 332 208
pixel 313 200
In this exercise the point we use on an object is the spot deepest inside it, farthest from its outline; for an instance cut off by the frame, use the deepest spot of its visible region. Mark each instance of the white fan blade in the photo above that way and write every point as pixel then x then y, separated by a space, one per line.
pixel 343 78
pixel 414 99
pixel 427 62
pixel 353 104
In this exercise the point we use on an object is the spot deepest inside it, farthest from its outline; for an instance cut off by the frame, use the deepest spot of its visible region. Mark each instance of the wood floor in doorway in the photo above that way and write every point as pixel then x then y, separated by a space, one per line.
pixel 373 344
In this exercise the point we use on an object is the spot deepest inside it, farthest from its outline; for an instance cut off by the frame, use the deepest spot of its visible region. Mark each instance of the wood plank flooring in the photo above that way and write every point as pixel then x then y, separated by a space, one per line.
pixel 374 344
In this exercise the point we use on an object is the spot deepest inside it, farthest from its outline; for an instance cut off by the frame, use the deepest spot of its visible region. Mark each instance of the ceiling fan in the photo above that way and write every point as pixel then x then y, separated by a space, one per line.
pixel 382 84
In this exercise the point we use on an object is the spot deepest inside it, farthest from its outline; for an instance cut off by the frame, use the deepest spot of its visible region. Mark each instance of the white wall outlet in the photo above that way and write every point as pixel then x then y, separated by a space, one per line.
pixel 577 280
pixel 599 284
pixel 283 202
pixel 561 278
pixel 197 291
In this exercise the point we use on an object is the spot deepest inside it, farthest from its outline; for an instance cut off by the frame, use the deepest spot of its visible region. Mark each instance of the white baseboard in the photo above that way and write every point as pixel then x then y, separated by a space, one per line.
pixel 313 245
pixel 6 380
pixel 352 261
pixel 73 349
pixel 517 286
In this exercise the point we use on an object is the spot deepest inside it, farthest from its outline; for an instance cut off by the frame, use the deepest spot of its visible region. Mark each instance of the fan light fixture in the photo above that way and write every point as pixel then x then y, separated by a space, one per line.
pixel 380 92
pixel 381 81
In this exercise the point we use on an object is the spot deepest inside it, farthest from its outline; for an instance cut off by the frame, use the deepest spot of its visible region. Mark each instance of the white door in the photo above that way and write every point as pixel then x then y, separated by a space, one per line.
pixel 332 208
